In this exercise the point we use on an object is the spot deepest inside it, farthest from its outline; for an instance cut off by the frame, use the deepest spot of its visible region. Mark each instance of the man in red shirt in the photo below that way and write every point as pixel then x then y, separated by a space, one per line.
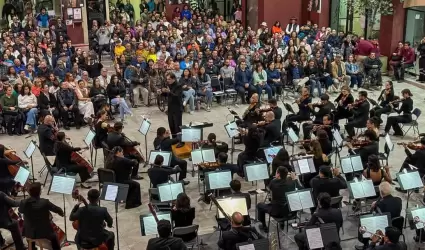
pixel 408 54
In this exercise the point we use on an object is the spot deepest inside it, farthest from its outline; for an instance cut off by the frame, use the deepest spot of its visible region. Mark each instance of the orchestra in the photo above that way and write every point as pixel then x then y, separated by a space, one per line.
pixel 303 112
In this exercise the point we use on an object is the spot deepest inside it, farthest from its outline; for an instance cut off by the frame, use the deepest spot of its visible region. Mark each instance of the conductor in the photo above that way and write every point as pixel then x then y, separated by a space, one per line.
pixel 175 105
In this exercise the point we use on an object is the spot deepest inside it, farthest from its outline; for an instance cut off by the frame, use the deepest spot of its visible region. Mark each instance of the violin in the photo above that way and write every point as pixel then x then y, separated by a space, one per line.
pixel 361 143
pixel 412 145
pixel 302 98
pixel 209 165
pixel 357 103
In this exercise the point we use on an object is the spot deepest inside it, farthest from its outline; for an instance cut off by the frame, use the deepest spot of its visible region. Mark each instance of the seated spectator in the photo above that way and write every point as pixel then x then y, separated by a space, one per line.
pixel 188 83
pixel 296 75
pixel 260 81
pixel 353 70
pixel 204 87
pixel 85 105
pixel 339 73
pixel 68 103
pixel 274 79
pixel 325 72
pixel 409 57
pixel 12 118
pixel 396 58
pixel 27 103
pixel 372 67
pixel 48 104
pixel 314 75
pixel 116 93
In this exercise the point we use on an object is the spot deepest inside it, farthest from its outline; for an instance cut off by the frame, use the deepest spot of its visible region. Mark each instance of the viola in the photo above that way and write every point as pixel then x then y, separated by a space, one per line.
pixel 80 161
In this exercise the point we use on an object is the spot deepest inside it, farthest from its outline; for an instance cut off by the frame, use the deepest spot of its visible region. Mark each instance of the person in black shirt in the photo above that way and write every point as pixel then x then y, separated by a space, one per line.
pixel 343 100
pixel 91 218
pixel 303 112
pixel 406 108
pixel 159 174
pixel 6 179
pixel 271 128
pixel 101 129
pixel 372 148
pixel 237 234
pixel 325 108
pixel 252 140
pixel 360 110
pixel 276 109
pixel 325 183
pixel 47 103
pixel 8 223
pixel 68 102
pixel 386 96
pixel 183 215
pixel 219 147
pixel 281 159
pixel 222 160
pixel 390 240
pixel 47 135
pixel 325 137
pixel 278 187
pixel 123 168
pixel 324 214
pixel 163 142
pixel 165 240
pixel 175 104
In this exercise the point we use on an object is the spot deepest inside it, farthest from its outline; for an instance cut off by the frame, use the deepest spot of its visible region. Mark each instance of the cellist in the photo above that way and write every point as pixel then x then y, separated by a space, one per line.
pixel 8 223
pixel 6 179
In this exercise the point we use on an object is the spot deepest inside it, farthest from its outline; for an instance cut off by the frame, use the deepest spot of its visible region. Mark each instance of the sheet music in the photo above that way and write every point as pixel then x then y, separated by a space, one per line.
pixel 337 137
pixel 410 180
pixel 257 172
pixel 390 143
pixel 314 237
pixel 165 193
pixel 368 188
pixel 144 127
pixel 311 165
pixel 111 193
pixel 356 162
pixel 271 153
pixel 346 165
pixel 421 214
pixel 374 223
pixel 165 154
pixel 292 135
pixel 296 167
pixel 231 205
pixel 191 135
pixel 294 202
pixel 30 149
pixel 62 184
pixel 219 180
pixel 306 199
pixel 208 155
pixel 303 165
pixel 89 137
pixel 196 157
pixel 176 189
pixel 231 129
pixel 247 247
pixel 150 225
pixel 22 176
pixel 357 189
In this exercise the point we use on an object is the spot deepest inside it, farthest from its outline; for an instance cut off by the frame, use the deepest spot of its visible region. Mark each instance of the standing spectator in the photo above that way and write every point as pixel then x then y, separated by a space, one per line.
pixel 421 50
pixel 43 19
pixel 409 57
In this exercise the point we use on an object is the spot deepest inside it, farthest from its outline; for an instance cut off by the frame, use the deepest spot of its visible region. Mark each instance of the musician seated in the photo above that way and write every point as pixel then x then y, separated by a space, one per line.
pixel 252 140
pixel 275 108
pixel 123 167
pixel 64 159
pixel 369 146
pixel 387 95
pixel 278 187
pixel 91 218
pixel 165 240
pixel 417 159
pixel 343 100
pixel 183 215
pixel 271 127
pixel 360 111
pixel 325 138
pixel 303 113
pixel 159 174
pixel 116 138
pixel 391 240
pixel 405 114
pixel 324 214
pixel 375 172
pixel 386 204
pixel 7 182
pixel 164 142
pixel 237 234
pixel 46 136
pixel 281 160
pixel 101 128
pixel 222 161
pixel 250 115
pixel 212 143
pixel 6 222
pixel 37 217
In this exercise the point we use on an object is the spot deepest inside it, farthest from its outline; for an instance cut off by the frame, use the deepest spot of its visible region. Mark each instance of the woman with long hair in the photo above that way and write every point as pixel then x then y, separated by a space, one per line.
pixel 183 215
pixel 84 102
pixel 260 81
pixel 27 103
pixel 188 84
pixel 353 70
pixel 116 93
pixel 204 87
pixel 98 95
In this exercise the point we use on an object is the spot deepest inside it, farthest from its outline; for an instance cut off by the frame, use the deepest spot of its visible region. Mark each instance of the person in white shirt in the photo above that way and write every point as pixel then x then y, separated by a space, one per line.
pixel 104 78
pixel 292 26
pixel 163 51
pixel 27 103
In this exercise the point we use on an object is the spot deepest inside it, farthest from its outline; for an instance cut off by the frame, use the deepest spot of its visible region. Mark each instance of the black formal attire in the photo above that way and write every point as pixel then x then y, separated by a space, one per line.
pixel 393 121
pixel 45 102
pixel 236 235
pixel 383 107
pixel 165 144
pixel 91 230
pixel 279 205
pixel 327 185
pixel 67 98
pixel 123 169
pixel 101 130
pixel 46 139
pixel 366 151
pixel 225 223
pixel 325 109
pixel 277 113
pixel 115 139
pixel 218 147
pixel 421 50
pixel 169 243
pixel 326 144
pixel 359 119
pixel 37 223
pixel 271 132
pixel 63 160
pixel 98 97
pixel 329 215
pixel 416 159
pixel 388 246
pixel 302 115
pixel 184 218
pixel 8 223
pixel 252 144
pixel 6 179
pixel 250 116
pixel 160 175
pixel 342 111
pixel 175 108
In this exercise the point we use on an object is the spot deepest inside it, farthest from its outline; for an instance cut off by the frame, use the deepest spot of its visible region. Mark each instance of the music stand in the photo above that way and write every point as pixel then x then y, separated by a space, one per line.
pixel 117 193
pixel 168 192
pixel 418 212
pixel 361 189
pixel 294 138
pixel 191 134
pixel 232 131
pixel 231 205
pixel 22 176
pixel 256 172
pixel 271 153
pixel 374 222
pixel 299 200
pixel 320 236
pixel 144 129
pixel 351 164
pixel 165 154
pixel 88 139
pixel 338 142
pixel 148 225
pixel 304 165
pixel 217 180
pixel 63 184
pixel 255 244
pixel 389 142
pixel 409 181
pixel 29 151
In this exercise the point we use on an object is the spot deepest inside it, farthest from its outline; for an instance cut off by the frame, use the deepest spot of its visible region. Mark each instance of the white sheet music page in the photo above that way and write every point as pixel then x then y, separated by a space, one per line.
pixel 165 193
pixel 303 165
pixel 346 165
pixel 410 180
pixel 232 129
pixel 257 172
pixel 357 190
pixel 292 135
pixel 196 157
pixel 294 202
pixel 247 247
pixel 62 184
pixel 421 214
pixel 150 225
pixel 111 193
pixel 389 142
pixel 22 176
pixel 220 179
pixel 368 188
pixel 30 149
pixel 314 237
pixel 306 199
pixel 231 205
pixel 356 162
pixel 337 137
pixel 208 155
pixel 176 189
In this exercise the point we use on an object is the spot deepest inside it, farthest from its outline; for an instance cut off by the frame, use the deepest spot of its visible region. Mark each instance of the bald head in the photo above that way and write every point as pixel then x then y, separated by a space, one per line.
pixel 270 116
pixel 254 98
pixel 237 219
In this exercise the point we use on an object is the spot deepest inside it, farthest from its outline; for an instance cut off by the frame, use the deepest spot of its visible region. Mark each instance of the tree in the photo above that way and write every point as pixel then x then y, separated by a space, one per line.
pixel 370 9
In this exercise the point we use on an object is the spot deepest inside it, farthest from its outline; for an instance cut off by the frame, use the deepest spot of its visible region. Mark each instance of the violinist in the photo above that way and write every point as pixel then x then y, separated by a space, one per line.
pixel 91 219
pixel 183 215
pixel 37 216
pixel 303 113
pixel 371 147
pixel 117 139
pixel 64 159
pixel 250 115
pixel 325 108
pixel 386 96
pixel 159 174
pixel 271 127
pixel 122 168
pixel 416 159
pixel 252 141
pixel 218 147
pixel 6 179
pixel 276 109
pixel 343 100
pixel 360 111
pixel 405 114
pixel 6 222
pixel 47 135
pixel 101 128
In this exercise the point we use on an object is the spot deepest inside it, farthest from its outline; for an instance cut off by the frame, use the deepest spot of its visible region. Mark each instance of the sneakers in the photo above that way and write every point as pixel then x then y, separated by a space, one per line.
pixel 191 112
pixel 355 88
pixel 184 103
pixel 27 127
pixel 208 108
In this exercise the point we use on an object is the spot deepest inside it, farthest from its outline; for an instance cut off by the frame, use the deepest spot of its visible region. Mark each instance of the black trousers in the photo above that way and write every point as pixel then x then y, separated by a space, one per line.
pixel 175 120
pixel 422 68
pixel 13 121
pixel 301 240
pixel 53 240
pixel 241 92
pixel 351 125
pixel 45 112
pixel 402 68
pixel 379 111
pixel 262 210
pixel 103 47
pixel 134 196
pixel 13 227
pixel 182 164
pixel 393 121
pixel 108 239
pixel 75 111
pixel 291 119
pixel 80 170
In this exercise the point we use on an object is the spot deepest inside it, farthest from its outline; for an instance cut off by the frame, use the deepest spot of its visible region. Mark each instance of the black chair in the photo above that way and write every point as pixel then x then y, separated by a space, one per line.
pixel 106 152
pixel 385 155
pixel 336 202
pixel 51 170
pixel 281 221
pixel 413 124
pixel 398 222
pixel 105 175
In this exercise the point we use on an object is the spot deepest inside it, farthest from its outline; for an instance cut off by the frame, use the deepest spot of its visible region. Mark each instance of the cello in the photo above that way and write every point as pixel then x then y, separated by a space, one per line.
pixel 133 151
pixel 10 154
pixel 77 158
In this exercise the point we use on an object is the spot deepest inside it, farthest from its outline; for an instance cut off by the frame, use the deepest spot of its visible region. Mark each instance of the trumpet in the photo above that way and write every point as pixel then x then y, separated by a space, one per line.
pixel 378 233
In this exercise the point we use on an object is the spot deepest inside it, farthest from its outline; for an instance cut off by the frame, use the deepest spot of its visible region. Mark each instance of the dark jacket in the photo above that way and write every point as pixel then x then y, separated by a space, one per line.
pixel 236 235
pixel 278 188
pixel 122 168
pixel 327 185
pixel 330 215
pixel 63 154
pixel 116 139
pixel 417 159
pixel 291 75
pixel 114 90
pixel 46 103
pixel 46 139
pixel 390 204
pixel 175 103
pixel 5 204
pixel 169 243
pixel 272 132
pixel 160 175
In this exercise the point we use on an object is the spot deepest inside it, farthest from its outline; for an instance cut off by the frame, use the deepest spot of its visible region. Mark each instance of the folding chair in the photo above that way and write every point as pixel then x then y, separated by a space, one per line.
pixel 181 231
pixel 336 202
pixel 398 222
pixel 51 170
pixel 105 175
pixel 217 88
pixel 385 155
pixel 413 124
pixel 229 90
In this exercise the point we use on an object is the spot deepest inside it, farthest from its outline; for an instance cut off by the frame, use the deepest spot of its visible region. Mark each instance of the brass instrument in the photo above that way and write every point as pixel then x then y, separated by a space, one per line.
pixel 378 233
pixel 274 244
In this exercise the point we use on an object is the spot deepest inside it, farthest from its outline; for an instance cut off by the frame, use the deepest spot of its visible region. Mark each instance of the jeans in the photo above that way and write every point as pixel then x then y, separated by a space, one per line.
pixel 267 88
pixel 315 84
pixel 276 88
pixel 327 81
pixel 189 97
pixel 208 94
pixel 31 117
pixel 356 79
pixel 124 109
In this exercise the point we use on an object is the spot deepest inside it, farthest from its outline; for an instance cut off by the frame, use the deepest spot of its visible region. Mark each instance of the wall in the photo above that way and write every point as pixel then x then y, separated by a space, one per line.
pixel 394 29
pixel 322 18
pixel 270 11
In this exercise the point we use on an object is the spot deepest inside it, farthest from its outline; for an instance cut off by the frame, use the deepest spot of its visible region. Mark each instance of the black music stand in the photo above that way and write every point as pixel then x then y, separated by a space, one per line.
pixel 409 181
pixel 304 165
pixel 351 164
pixel 21 177
pixel 29 151
pixel 319 237
pixel 148 225
pixel 117 193
pixel 88 140
pixel 374 222
pixel 168 192
pixel 232 131
pixel 255 244
pixel 144 129
pixel 63 184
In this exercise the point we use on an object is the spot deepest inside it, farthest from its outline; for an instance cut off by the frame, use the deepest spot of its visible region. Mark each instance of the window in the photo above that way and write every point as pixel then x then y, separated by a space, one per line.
pixel 415 19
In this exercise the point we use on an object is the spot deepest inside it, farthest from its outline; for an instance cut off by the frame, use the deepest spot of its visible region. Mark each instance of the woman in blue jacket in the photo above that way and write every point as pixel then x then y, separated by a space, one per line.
pixel 274 79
